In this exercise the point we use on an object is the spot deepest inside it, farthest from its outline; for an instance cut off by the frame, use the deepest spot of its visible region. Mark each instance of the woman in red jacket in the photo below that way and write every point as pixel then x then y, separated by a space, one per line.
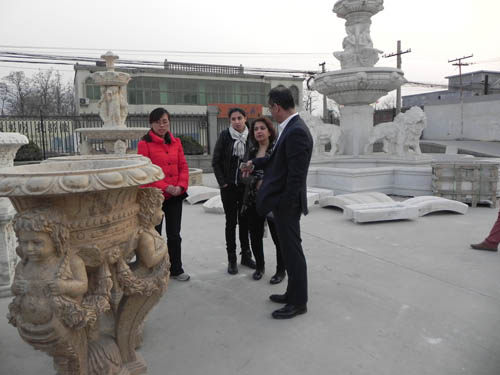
pixel 166 151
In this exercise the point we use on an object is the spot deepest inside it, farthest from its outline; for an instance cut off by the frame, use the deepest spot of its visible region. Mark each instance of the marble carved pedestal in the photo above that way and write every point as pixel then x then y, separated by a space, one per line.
pixel 91 265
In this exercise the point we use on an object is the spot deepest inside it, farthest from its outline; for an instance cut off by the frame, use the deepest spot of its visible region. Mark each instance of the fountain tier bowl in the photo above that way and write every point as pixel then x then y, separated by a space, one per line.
pixel 113 134
pixel 358 86
pixel 76 177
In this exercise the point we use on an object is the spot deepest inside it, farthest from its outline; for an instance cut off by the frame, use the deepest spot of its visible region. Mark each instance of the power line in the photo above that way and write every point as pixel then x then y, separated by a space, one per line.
pixel 398 54
pixel 27 57
pixel 173 51
pixel 460 64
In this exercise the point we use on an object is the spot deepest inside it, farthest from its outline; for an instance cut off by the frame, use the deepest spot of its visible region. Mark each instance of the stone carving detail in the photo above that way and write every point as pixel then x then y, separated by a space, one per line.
pixel 9 144
pixel 79 297
pixel 50 283
pixel 113 110
pixel 402 136
pixel 323 133
pixel 113 107
pixel 358 46
pixel 120 147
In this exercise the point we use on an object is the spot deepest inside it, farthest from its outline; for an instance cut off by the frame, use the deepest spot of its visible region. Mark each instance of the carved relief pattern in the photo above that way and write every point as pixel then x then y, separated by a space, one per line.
pixel 30 181
pixel 79 297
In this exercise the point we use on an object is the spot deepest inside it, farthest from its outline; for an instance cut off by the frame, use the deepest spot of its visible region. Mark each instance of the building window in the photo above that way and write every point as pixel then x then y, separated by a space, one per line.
pixel 92 91
pixel 175 91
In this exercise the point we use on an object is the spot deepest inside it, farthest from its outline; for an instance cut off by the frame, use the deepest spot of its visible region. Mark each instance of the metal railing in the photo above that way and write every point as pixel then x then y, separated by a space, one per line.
pixel 56 135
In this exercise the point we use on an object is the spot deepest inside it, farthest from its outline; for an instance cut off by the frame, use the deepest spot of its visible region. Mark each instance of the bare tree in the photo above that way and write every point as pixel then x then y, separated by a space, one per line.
pixel 42 84
pixel 19 92
pixel 4 96
pixel 44 91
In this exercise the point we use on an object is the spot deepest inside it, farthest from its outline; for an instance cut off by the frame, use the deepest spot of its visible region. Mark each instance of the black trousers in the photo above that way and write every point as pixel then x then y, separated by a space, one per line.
pixel 287 220
pixel 172 208
pixel 256 228
pixel 232 199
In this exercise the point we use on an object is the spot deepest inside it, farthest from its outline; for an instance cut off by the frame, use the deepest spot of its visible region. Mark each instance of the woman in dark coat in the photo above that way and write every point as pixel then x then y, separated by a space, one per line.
pixel 262 137
pixel 229 152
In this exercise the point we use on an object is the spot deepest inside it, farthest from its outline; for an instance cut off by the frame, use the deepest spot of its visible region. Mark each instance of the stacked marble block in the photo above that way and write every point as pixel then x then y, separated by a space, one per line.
pixel 9 144
pixel 467 181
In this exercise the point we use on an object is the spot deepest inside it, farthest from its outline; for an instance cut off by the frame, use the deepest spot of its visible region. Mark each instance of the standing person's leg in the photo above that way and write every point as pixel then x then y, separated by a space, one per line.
pixel 288 226
pixel 246 254
pixel 173 217
pixel 230 204
pixel 256 228
pixel 494 236
pixel 280 263
pixel 491 242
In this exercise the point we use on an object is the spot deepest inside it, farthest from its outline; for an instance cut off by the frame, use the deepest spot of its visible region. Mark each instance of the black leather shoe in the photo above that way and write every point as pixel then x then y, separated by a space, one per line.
pixel 278 298
pixel 246 260
pixel 257 275
pixel 277 278
pixel 232 268
pixel 485 245
pixel 289 311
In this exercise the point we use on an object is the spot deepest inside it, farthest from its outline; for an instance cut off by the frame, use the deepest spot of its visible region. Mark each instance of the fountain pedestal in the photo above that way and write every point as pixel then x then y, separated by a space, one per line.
pixel 356 124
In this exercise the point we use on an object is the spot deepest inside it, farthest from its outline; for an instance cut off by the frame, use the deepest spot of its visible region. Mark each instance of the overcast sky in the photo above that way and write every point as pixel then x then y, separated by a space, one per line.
pixel 295 34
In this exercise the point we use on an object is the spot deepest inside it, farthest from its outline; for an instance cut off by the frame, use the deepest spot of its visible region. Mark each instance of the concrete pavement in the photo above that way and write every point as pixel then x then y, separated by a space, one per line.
pixel 389 298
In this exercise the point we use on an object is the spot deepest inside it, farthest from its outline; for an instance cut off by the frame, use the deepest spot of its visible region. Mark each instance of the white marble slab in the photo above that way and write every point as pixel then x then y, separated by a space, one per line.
pixel 343 200
pixel 201 193
pixel 214 205
pixel 380 211
pixel 428 204
pixel 323 193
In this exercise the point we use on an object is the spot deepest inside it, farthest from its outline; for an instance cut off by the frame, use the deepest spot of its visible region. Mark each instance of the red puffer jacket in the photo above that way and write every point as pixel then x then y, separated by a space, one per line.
pixel 170 158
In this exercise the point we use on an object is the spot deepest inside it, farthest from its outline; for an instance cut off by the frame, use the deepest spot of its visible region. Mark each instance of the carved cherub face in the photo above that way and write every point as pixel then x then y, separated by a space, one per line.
pixel 36 246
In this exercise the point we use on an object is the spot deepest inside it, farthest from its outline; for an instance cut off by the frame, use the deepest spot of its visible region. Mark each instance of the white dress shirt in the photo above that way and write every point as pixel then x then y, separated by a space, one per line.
pixel 283 125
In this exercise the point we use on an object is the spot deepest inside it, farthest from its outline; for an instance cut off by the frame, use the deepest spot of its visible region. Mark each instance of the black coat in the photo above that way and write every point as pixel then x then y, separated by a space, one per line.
pixel 225 164
pixel 285 170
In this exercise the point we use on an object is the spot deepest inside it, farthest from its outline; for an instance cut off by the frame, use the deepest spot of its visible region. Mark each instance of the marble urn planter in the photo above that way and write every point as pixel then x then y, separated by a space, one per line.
pixel 91 265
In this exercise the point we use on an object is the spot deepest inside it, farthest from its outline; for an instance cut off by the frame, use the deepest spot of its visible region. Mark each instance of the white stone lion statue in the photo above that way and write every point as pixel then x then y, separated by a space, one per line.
pixel 323 134
pixel 400 137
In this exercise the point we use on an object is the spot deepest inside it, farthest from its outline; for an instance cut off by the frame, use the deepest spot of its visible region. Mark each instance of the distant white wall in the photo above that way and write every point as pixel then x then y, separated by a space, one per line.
pixel 481 119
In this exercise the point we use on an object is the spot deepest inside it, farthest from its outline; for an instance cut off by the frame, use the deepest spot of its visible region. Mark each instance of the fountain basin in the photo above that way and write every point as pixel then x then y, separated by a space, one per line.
pixel 113 134
pixel 411 176
pixel 111 78
pixel 358 86
pixel 344 8
pixel 64 177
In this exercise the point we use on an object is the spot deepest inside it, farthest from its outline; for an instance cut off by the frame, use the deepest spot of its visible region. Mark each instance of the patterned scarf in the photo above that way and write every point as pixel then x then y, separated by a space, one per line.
pixel 240 140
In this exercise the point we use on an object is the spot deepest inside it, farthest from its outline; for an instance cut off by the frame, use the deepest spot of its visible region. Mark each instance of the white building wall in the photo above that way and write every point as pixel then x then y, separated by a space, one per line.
pixel 477 118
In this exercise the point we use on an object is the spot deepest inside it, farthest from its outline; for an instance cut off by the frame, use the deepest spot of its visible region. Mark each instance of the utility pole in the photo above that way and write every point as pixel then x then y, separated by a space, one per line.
pixel 398 91
pixel 325 108
pixel 460 64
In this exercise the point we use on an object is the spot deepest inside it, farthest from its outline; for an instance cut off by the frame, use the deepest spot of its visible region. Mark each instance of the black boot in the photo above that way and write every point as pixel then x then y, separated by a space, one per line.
pixel 246 259
pixel 232 264
pixel 232 268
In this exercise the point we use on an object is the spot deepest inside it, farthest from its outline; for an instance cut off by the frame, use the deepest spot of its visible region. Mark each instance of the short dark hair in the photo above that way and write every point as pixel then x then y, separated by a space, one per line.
pixel 157 113
pixel 236 109
pixel 281 96
pixel 269 126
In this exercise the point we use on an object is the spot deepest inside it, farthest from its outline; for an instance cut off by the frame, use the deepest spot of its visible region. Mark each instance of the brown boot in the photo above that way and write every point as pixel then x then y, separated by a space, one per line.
pixel 485 245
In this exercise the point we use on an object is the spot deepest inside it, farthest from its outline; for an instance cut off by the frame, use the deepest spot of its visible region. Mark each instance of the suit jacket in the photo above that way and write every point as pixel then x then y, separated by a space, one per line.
pixel 285 171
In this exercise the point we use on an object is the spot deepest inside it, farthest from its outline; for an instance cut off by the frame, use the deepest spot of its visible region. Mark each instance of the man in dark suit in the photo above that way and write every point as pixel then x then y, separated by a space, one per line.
pixel 283 192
